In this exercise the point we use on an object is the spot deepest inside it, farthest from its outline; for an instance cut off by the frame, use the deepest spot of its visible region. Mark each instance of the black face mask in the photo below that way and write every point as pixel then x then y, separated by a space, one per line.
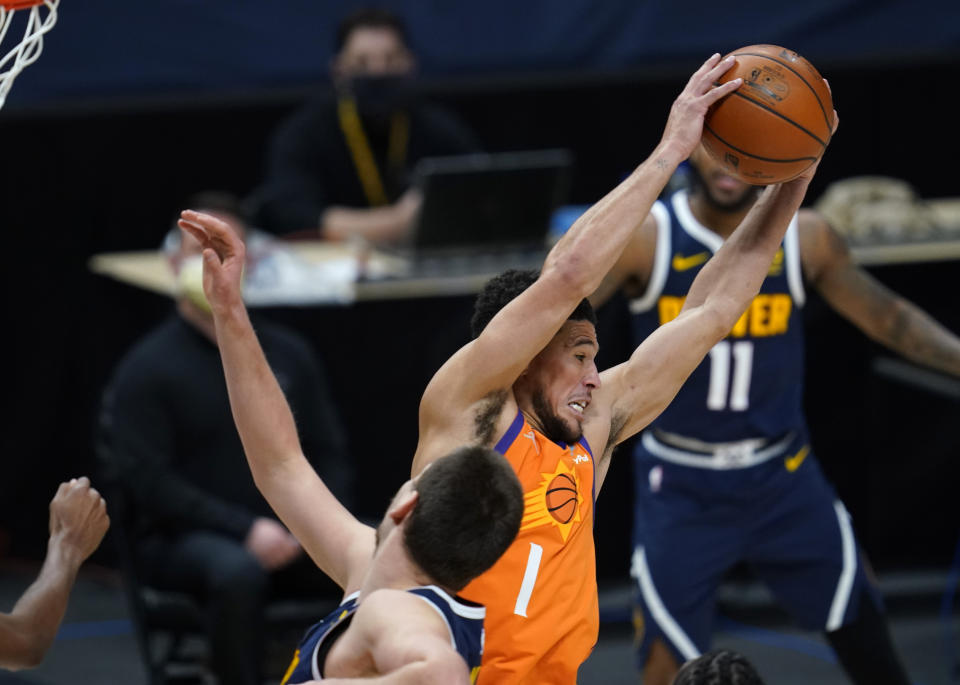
pixel 378 97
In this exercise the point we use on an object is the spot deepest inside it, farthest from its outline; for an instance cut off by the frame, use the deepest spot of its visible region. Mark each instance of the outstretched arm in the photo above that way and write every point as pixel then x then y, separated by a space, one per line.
pixel 78 522
pixel 339 544
pixel 572 270
pixel 638 390
pixel 868 304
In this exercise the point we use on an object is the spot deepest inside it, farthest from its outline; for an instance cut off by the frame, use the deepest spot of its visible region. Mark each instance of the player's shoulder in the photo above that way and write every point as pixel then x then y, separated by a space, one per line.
pixel 810 220
pixel 820 244
pixel 393 609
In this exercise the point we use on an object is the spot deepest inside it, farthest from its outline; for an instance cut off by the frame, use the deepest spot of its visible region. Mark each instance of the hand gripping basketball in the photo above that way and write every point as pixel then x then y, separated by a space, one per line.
pixel 777 124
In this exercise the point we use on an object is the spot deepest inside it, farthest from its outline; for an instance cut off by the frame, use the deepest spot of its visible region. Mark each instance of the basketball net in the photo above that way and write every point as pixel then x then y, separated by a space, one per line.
pixel 41 17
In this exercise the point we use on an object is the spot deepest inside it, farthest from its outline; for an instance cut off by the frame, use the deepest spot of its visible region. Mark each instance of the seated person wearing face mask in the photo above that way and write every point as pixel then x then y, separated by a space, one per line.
pixel 198 522
pixel 340 166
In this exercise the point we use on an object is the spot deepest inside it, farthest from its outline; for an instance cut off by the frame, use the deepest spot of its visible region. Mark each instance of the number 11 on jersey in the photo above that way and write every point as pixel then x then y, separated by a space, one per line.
pixel 731 367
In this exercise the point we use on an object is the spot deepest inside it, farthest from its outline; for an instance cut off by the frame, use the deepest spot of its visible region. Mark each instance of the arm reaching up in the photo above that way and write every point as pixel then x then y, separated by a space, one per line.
pixel 339 544
pixel 572 270
pixel 638 390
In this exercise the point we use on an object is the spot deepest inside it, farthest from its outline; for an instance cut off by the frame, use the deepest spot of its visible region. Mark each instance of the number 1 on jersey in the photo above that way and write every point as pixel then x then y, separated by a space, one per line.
pixel 723 356
pixel 529 579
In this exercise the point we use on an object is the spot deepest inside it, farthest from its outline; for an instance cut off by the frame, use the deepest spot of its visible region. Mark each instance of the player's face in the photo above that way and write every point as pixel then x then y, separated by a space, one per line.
pixel 373 51
pixel 722 190
pixel 563 378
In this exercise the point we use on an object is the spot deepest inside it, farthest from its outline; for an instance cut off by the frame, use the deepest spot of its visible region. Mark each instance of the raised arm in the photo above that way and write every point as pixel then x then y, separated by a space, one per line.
pixel 572 270
pixel 883 315
pixel 639 389
pixel 339 544
pixel 631 271
pixel 78 522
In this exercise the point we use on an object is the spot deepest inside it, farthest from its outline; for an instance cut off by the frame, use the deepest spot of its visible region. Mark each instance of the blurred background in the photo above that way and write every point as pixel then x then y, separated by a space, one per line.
pixel 134 106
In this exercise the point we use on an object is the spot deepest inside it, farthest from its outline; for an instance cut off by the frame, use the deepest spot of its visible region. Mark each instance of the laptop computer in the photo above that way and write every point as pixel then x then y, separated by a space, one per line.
pixel 482 213
pixel 497 202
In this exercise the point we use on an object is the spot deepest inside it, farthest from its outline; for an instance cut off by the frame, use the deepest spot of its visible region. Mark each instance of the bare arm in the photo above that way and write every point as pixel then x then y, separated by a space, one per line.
pixel 632 270
pixel 407 641
pixel 375 225
pixel 78 522
pixel 339 544
pixel 642 387
pixel 573 270
pixel 869 305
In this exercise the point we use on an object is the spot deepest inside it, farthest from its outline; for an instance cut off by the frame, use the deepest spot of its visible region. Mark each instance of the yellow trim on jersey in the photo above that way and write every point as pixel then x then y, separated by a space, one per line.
pixel 291 668
pixel 474 672
pixel 793 463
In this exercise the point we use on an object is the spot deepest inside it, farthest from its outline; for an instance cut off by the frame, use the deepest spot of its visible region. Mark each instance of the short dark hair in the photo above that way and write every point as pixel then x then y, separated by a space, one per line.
pixel 370 17
pixel 500 290
pixel 468 513
pixel 718 667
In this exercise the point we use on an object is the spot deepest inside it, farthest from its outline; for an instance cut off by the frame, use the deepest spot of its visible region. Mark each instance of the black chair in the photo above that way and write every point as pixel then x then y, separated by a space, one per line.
pixel 170 626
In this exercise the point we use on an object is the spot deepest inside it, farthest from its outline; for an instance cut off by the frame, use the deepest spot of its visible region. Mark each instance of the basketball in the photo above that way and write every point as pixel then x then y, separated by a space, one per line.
pixel 562 498
pixel 777 123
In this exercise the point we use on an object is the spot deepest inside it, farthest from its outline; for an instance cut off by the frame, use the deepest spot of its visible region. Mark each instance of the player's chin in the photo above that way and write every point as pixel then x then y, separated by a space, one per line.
pixel 573 426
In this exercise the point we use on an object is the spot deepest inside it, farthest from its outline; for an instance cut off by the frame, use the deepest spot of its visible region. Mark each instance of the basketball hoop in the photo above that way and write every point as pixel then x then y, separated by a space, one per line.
pixel 41 17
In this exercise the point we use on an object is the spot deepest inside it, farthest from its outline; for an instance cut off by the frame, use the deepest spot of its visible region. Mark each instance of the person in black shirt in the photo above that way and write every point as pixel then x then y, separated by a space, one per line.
pixel 199 523
pixel 341 165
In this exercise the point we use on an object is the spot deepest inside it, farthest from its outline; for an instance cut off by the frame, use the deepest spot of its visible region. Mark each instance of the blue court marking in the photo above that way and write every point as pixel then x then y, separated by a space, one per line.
pixel 83 629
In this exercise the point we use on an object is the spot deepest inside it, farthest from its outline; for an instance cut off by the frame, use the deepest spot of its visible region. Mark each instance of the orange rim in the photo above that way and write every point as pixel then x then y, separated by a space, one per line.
pixel 19 4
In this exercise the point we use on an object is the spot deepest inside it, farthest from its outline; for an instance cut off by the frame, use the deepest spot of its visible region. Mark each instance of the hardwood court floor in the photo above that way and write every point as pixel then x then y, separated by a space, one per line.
pixel 96 645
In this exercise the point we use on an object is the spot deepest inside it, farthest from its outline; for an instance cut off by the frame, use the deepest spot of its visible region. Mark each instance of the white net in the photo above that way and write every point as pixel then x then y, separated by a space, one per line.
pixel 36 21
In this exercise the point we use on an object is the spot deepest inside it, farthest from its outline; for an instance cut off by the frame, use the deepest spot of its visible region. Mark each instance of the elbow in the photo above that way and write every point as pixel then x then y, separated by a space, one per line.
pixel 31 659
pixel 572 275
pixel 27 652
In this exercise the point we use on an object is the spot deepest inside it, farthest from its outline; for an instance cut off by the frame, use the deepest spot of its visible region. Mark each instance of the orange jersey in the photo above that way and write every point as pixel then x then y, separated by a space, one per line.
pixel 541 596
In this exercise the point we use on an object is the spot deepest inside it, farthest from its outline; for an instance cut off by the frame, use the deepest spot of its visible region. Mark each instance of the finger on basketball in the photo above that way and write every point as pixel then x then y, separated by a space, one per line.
pixel 722 90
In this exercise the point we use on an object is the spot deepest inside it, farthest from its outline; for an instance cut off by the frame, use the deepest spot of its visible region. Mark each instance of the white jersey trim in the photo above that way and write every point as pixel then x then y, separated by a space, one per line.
pixel 791 256
pixel 689 223
pixel 453 642
pixel 314 666
pixel 460 609
pixel 661 261
pixel 455 606
pixel 841 598
pixel 668 624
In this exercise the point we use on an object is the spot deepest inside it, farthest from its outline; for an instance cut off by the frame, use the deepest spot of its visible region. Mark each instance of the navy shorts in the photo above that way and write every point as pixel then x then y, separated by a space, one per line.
pixel 693 524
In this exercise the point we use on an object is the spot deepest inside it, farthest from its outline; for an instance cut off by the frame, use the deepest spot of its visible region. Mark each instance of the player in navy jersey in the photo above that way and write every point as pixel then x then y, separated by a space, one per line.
pixel 400 618
pixel 726 473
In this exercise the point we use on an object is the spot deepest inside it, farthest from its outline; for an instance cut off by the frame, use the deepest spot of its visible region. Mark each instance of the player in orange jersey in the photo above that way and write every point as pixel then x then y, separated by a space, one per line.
pixel 528 386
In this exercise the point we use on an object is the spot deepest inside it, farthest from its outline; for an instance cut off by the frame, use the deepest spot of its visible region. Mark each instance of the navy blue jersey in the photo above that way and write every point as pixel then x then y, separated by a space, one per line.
pixel 751 383
pixel 463 618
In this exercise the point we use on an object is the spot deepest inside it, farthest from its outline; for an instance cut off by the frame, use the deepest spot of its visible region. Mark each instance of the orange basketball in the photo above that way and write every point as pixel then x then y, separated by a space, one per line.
pixel 562 498
pixel 777 123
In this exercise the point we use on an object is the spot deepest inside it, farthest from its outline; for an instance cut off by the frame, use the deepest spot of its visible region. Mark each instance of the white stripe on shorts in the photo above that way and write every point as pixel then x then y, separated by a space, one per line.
pixel 841 598
pixel 667 623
